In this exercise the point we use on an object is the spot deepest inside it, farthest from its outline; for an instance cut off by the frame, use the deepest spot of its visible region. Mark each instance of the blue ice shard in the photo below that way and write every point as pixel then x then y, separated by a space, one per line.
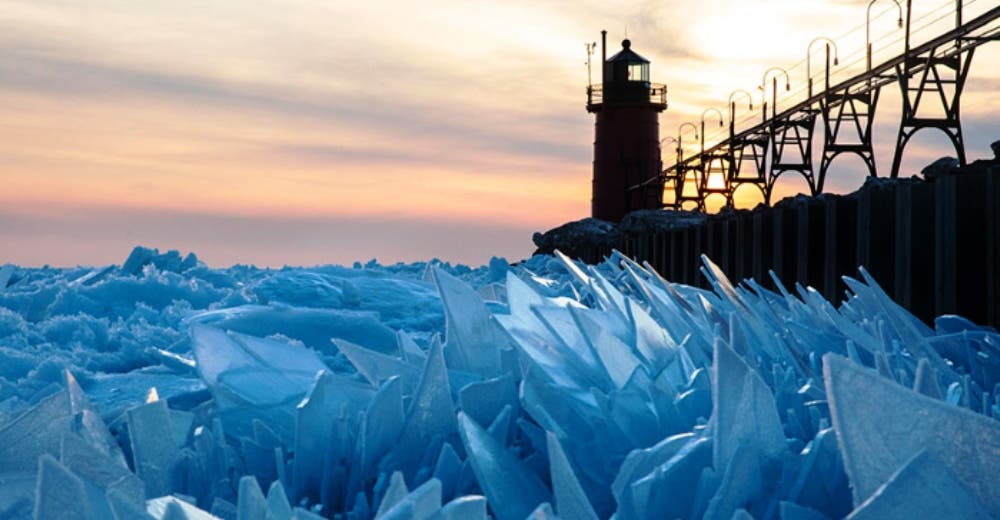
pixel 571 500
pixel 925 381
pixel 409 349
pixel 543 512
pixel 641 462
pixel 821 483
pixel 60 493
pixel 6 272
pixel 448 469
pixel 333 399
pixel 922 488
pixel 384 421
pixel 474 340
pixel 744 411
pixel 376 367
pixel 793 511
pixel 313 327
pixel 656 492
pixel 566 332
pixel 432 412
pixel 484 400
pixel 154 452
pixel 101 471
pixel 881 426
pixel 617 358
pixel 468 507
pixel 173 508
pixel 278 507
pixel 740 514
pixel 40 429
pixel 254 378
pixel 419 504
pixel 301 514
pixel 35 432
pixel 251 504
pixel 123 508
pixel 512 489
pixel 742 484
pixel 394 494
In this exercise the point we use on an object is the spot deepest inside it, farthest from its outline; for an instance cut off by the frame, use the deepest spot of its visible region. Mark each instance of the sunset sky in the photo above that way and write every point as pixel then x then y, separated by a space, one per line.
pixel 321 131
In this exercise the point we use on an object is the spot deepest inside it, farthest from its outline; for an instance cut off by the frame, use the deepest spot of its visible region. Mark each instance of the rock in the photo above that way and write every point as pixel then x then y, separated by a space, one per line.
pixel 942 166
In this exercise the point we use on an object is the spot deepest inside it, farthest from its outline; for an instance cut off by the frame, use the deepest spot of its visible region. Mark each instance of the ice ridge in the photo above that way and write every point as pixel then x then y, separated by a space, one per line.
pixel 547 389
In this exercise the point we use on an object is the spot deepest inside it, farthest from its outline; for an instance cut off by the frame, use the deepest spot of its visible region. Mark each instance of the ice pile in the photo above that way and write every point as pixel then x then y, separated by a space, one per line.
pixel 556 390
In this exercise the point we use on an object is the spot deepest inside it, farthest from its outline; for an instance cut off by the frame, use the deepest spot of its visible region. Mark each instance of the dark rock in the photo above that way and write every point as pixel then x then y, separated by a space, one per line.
pixel 575 238
pixel 942 166
pixel 652 220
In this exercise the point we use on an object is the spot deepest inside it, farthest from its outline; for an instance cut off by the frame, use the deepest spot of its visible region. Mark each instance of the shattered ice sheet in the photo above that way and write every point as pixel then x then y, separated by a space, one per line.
pixel 549 389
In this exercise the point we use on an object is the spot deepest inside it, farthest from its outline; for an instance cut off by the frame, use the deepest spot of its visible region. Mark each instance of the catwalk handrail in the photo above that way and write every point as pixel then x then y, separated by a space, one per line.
pixel 875 73
pixel 657 94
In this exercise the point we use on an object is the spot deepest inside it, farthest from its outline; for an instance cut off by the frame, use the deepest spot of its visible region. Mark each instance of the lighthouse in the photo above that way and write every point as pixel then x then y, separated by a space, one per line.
pixel 627 162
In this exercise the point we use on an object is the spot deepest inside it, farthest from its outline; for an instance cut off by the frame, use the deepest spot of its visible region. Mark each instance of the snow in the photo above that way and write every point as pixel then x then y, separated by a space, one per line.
pixel 546 389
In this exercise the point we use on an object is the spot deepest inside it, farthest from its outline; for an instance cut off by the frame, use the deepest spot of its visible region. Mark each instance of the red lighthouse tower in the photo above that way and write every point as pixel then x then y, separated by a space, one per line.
pixel 627 135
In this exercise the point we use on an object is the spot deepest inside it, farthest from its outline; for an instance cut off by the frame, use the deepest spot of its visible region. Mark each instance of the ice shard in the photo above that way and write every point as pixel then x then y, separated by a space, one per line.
pixel 793 511
pixel 154 453
pixel 254 378
pixel 570 499
pixel 484 400
pixel 922 488
pixel 40 429
pixel 881 426
pixel 61 494
pixel 468 507
pixel 432 412
pixel 394 494
pixel 173 508
pixel 420 504
pixel 100 470
pixel 123 508
pixel 657 492
pixel 384 421
pixel 744 411
pixel 377 367
pixel 473 339
pixel 742 484
pixel 251 505
pixel 512 489
pixel 333 399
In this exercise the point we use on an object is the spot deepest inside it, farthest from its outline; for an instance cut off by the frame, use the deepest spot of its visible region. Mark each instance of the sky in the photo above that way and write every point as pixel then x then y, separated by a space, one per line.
pixel 307 132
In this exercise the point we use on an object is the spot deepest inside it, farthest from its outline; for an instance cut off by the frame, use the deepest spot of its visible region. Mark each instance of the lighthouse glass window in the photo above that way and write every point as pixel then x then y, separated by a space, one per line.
pixel 638 72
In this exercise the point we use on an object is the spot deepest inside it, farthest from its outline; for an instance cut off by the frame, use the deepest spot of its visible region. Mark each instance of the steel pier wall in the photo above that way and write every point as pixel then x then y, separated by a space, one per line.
pixel 934 247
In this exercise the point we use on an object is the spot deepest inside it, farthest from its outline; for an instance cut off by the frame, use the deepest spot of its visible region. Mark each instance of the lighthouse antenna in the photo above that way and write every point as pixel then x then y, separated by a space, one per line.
pixel 590 52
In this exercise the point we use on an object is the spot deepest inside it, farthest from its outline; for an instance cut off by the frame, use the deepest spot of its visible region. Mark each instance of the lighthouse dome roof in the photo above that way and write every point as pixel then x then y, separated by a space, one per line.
pixel 627 54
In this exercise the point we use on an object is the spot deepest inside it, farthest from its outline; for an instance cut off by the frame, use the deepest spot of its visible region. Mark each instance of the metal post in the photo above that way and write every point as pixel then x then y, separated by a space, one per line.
pixel 958 22
pixel 604 57
pixel 774 97
pixel 826 85
pixel 732 120
pixel 703 141
pixel 909 9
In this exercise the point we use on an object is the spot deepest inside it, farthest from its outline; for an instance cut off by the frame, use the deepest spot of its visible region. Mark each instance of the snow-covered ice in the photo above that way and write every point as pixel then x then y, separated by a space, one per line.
pixel 165 389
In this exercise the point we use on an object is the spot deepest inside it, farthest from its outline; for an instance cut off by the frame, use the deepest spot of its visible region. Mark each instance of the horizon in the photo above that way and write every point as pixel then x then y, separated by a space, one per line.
pixel 300 133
